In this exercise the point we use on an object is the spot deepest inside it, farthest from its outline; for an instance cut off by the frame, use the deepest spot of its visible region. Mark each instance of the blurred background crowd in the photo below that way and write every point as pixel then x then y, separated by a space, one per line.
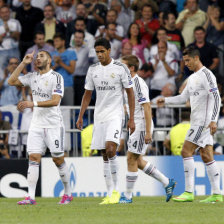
pixel 156 31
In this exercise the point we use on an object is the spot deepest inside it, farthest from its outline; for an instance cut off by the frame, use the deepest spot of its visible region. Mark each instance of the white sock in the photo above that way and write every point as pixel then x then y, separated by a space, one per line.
pixel 64 174
pixel 189 174
pixel 114 171
pixel 131 178
pixel 108 177
pixel 32 178
pixel 214 176
pixel 153 172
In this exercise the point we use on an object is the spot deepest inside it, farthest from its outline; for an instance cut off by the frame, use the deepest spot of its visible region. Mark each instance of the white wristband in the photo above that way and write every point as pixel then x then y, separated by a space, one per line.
pixel 35 104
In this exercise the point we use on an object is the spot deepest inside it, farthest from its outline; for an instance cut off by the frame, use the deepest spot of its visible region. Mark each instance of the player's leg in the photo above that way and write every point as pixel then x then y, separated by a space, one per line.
pixel 189 166
pixel 213 174
pixel 107 174
pixel 54 138
pixel 35 148
pixel 152 171
pixel 131 177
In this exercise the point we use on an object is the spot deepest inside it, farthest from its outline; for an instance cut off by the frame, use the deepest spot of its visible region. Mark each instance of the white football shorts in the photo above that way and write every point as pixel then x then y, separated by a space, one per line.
pixel 106 131
pixel 200 136
pixel 41 138
pixel 136 142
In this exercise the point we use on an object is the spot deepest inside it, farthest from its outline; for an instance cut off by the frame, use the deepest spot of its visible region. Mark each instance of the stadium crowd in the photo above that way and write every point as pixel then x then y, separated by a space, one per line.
pixel 156 31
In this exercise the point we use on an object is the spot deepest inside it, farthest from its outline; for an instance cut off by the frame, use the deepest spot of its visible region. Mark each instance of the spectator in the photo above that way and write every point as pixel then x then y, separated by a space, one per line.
pixel 114 43
pixel 66 12
pixel 172 49
pixel 10 30
pixel 123 18
pixel 160 18
pixel 147 24
pixel 208 52
pixel 188 19
pixel 215 32
pixel 82 65
pixel 4 125
pixel 79 24
pixel 10 95
pixel 165 67
pixel 49 26
pixel 146 72
pixel 138 45
pixel 175 139
pixel 64 62
pixel 174 35
pixel 39 4
pixel 28 17
pixel 137 7
pixel 165 116
pixel 38 46
pixel 111 18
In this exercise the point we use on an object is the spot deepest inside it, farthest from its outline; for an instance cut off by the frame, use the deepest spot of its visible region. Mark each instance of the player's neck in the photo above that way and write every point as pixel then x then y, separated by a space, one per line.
pixel 107 62
pixel 198 67
pixel 133 74
pixel 45 70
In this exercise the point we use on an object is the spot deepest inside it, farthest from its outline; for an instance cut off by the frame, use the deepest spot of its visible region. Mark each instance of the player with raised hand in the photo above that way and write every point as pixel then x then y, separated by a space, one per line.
pixel 205 103
pixel 109 77
pixel 47 128
pixel 142 136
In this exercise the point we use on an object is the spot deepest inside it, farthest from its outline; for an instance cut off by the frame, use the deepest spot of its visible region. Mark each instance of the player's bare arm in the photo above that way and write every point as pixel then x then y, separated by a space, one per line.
pixel 13 80
pixel 85 103
pixel 148 120
pixel 131 103
pixel 69 68
pixel 49 103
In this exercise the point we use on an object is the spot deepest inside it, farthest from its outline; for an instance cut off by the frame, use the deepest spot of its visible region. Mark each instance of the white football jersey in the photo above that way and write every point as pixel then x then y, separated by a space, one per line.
pixel 204 97
pixel 43 87
pixel 109 82
pixel 141 92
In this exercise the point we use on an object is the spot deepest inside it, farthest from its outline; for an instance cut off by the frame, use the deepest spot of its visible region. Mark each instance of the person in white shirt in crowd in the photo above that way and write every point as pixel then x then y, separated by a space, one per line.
pixel 111 18
pixel 46 129
pixel 38 46
pixel 10 30
pixel 109 77
pixel 165 69
pixel 205 101
pixel 79 24
pixel 139 140
pixel 172 49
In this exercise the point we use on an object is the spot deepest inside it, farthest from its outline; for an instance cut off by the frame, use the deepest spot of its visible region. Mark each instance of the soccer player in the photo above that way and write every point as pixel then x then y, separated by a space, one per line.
pixel 46 129
pixel 142 136
pixel 205 101
pixel 109 78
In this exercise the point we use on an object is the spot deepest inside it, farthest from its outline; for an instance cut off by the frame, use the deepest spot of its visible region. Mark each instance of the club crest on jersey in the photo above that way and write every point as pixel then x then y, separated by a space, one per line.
pixel 112 75
pixel 58 86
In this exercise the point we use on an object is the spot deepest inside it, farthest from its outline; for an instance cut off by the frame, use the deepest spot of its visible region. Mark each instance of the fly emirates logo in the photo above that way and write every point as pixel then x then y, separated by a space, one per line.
pixel 105 86
pixel 38 92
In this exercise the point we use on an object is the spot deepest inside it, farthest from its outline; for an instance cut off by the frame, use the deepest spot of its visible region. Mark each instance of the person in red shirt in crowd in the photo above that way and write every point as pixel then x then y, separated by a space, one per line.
pixel 147 24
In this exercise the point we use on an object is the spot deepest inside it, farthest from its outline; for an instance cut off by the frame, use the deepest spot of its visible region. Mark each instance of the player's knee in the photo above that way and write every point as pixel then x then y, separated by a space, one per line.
pixel 205 157
pixel 35 157
pixel 185 153
pixel 58 160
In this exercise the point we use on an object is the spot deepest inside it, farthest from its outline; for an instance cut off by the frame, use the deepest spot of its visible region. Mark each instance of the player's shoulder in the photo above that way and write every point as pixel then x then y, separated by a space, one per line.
pixel 206 73
pixel 140 81
pixel 95 65
pixel 56 75
pixel 121 65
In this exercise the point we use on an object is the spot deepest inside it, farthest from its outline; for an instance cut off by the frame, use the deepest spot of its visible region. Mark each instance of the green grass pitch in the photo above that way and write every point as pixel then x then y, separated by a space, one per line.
pixel 87 211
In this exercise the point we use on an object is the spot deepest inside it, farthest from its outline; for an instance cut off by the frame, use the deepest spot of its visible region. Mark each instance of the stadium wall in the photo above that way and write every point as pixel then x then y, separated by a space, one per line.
pixel 86 177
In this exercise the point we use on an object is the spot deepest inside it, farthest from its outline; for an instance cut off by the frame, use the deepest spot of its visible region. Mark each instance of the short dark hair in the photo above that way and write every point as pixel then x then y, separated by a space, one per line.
pixel 147 5
pixel 166 15
pixel 38 33
pixel 80 31
pixel 185 115
pixel 80 19
pixel 147 67
pixel 197 28
pixel 191 52
pixel 59 35
pixel 132 60
pixel 102 42
pixel 112 10
pixel 107 25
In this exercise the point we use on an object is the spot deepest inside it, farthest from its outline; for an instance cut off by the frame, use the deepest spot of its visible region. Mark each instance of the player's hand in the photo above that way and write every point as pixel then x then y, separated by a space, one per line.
pixel 148 138
pixel 23 105
pixel 161 102
pixel 28 58
pixel 213 127
pixel 79 123
pixel 131 126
